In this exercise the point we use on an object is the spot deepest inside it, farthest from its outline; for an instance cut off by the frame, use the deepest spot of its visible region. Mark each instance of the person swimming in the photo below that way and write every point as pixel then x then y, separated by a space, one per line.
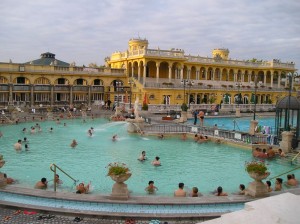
pixel 156 161
pixel 142 156
pixel 114 138
pixel 73 143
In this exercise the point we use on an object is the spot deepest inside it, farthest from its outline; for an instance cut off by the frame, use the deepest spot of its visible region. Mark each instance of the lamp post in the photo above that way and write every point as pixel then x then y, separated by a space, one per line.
pixel 238 85
pixel 190 84
pixel 185 82
pixel 118 83
pixel 255 98
pixel 130 82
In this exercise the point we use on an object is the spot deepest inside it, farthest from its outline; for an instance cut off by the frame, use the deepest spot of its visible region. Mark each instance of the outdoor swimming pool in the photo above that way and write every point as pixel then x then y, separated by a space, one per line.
pixel 234 123
pixel 206 165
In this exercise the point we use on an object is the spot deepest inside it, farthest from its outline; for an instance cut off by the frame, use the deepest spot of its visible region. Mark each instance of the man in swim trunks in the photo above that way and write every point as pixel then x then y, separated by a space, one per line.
pixel 201 116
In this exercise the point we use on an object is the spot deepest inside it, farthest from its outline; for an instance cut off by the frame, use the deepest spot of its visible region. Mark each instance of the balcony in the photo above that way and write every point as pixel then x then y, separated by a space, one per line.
pixel 42 88
pixel 17 87
pixel 80 88
pixel 4 87
pixel 97 89
pixel 247 64
pixel 61 88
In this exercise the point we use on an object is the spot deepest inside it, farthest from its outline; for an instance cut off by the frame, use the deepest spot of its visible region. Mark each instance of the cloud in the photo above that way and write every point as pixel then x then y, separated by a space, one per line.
pixel 88 30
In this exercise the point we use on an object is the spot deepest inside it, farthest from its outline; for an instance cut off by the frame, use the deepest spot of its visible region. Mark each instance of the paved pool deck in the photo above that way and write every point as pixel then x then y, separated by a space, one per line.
pixel 14 212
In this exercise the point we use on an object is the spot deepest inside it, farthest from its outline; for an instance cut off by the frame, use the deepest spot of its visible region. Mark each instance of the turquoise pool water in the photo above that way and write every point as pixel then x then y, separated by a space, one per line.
pixel 238 124
pixel 206 165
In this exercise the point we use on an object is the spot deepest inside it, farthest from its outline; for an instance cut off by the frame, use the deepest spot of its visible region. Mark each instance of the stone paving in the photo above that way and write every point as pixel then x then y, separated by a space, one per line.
pixel 14 216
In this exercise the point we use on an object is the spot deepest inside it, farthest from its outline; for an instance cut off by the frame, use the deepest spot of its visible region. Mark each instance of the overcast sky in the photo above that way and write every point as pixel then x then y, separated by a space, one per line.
pixel 86 31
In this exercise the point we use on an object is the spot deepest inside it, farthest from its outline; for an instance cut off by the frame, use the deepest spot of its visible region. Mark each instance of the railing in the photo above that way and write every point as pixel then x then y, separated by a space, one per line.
pixel 225 108
pixel 80 88
pixel 21 88
pixel 295 157
pixel 42 88
pixel 54 171
pixel 237 136
pixel 284 173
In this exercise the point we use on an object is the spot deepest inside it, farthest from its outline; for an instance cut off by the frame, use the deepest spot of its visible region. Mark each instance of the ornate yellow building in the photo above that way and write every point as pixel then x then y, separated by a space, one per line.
pixel 168 77
pixel 173 77
pixel 51 82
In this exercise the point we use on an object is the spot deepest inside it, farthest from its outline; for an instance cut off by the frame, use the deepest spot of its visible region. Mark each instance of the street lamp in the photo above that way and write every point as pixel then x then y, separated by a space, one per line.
pixel 185 82
pixel 118 84
pixel 238 85
pixel 190 84
pixel 255 98
pixel 130 82
pixel 291 76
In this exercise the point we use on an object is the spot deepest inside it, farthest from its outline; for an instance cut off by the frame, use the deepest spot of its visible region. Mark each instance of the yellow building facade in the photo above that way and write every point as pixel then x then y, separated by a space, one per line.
pixel 51 82
pixel 173 77
pixel 167 77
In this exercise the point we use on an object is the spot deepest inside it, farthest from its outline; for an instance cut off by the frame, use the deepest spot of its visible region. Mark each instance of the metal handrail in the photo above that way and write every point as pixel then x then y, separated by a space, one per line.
pixel 54 171
pixel 285 173
pixel 295 157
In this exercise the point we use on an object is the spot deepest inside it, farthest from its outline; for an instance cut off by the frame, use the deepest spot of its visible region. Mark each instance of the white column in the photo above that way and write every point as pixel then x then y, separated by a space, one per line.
pixel 144 75
pixel 272 79
pixel 157 72
pixel 206 74
pixel 170 73
pixel 139 72
pixel 279 80
pixel 265 79
pixel 181 73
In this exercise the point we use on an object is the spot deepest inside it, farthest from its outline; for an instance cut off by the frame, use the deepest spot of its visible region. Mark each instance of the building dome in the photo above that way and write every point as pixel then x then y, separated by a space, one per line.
pixel 284 103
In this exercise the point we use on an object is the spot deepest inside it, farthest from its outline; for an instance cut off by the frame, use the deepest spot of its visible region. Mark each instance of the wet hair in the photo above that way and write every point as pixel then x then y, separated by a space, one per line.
pixel 19 141
pixel 268 183
pixel 157 158
pixel 195 190
pixel 293 176
pixel 26 146
pixel 219 190
pixel 5 175
pixel 242 186
pixel 181 185
pixel 43 180
pixel 279 150
pixel 279 180
pixel 151 182
pixel 289 176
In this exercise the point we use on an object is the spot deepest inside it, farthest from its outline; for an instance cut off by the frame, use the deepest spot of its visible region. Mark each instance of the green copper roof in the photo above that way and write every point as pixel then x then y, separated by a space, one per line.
pixel 48 59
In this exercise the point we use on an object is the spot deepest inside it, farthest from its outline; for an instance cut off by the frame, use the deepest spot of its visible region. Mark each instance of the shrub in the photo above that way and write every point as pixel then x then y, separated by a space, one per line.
pixel 256 167
pixel 184 107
